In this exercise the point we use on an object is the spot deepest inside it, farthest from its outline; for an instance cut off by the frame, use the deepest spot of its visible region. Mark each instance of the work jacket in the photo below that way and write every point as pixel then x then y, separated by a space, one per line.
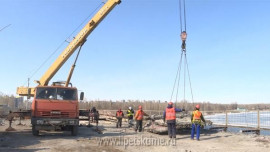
pixel 139 115
pixel 130 114
pixel 172 119
pixel 197 117
pixel 119 114
pixel 170 114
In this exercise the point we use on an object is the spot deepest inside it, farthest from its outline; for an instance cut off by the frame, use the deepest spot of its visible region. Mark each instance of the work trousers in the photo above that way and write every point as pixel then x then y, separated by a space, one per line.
pixel 130 122
pixel 197 127
pixel 119 122
pixel 138 125
pixel 171 130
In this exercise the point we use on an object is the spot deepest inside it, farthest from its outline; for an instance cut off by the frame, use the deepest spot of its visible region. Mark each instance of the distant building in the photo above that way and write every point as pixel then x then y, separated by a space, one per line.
pixel 4 109
pixel 18 101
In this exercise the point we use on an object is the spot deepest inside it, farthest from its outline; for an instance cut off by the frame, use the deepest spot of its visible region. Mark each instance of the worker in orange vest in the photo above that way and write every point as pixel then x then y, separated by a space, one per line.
pixel 170 116
pixel 119 116
pixel 196 119
pixel 139 118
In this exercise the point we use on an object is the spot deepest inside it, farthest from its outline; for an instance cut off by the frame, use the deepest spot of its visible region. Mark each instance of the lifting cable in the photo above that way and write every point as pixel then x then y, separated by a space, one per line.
pixel 62 43
pixel 5 27
pixel 185 62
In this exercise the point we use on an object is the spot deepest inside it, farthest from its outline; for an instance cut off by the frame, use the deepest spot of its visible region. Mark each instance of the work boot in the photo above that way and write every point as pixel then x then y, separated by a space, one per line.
pixel 174 137
pixel 170 136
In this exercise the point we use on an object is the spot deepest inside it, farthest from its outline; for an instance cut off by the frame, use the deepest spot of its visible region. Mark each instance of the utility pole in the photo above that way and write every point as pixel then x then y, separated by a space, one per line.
pixel 27 101
pixel 4 27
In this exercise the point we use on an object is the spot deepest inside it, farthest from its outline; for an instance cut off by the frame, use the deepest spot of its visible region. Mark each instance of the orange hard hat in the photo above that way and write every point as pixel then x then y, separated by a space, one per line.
pixel 170 103
pixel 197 106
pixel 140 107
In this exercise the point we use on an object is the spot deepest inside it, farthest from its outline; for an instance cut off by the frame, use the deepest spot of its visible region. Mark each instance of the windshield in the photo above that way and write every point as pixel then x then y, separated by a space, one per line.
pixel 56 93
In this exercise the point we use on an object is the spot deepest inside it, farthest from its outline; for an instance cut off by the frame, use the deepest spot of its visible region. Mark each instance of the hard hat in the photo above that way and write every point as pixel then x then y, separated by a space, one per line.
pixel 170 103
pixel 140 107
pixel 197 106
pixel 129 108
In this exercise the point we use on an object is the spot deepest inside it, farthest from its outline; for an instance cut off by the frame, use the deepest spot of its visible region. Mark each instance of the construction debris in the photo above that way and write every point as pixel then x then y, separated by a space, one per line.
pixel 263 139
pixel 158 126
pixel 2 122
pixel 155 123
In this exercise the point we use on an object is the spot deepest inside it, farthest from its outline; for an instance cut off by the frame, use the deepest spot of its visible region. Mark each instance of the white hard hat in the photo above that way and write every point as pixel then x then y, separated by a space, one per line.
pixel 129 108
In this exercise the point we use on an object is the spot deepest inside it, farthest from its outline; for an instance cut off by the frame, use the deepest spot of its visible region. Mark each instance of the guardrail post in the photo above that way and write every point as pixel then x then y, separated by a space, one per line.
pixel 226 121
pixel 258 121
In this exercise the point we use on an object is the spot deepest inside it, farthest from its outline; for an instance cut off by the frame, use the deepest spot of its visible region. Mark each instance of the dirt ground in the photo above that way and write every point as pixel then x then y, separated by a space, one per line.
pixel 126 139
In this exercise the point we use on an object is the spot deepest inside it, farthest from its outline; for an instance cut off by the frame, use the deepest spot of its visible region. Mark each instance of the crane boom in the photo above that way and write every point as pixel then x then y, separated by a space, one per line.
pixel 73 45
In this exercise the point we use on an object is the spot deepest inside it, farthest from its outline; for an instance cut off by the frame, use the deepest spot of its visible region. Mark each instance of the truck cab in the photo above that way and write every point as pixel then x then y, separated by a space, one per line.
pixel 55 108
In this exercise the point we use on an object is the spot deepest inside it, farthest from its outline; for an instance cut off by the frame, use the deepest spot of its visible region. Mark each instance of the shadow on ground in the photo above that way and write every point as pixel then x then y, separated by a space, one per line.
pixel 23 140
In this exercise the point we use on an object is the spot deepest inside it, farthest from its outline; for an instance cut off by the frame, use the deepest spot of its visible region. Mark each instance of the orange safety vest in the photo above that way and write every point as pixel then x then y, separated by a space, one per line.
pixel 119 113
pixel 197 115
pixel 139 115
pixel 170 114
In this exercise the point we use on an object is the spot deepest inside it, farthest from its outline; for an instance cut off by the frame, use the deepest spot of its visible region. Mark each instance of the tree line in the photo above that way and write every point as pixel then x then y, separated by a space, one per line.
pixel 161 105
pixel 156 105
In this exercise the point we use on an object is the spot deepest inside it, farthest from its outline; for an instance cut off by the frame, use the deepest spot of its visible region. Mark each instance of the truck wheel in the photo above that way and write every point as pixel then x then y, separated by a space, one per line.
pixel 74 130
pixel 34 131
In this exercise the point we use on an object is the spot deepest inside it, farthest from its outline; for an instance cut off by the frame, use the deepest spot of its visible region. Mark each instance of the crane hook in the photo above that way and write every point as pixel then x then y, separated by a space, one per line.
pixel 183 38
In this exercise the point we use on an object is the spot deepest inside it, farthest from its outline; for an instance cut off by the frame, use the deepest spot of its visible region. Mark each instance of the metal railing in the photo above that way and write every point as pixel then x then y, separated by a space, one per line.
pixel 255 120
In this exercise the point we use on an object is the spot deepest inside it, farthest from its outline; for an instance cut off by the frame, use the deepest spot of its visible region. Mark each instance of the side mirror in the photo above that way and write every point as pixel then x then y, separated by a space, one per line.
pixel 81 95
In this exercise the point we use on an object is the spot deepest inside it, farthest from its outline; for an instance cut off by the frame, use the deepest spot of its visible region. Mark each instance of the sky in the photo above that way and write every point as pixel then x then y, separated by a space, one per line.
pixel 134 52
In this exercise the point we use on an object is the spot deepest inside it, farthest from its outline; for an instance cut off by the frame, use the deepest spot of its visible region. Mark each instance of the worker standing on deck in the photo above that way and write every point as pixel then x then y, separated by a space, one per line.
pixel 139 118
pixel 170 116
pixel 196 120
pixel 130 114
pixel 119 116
